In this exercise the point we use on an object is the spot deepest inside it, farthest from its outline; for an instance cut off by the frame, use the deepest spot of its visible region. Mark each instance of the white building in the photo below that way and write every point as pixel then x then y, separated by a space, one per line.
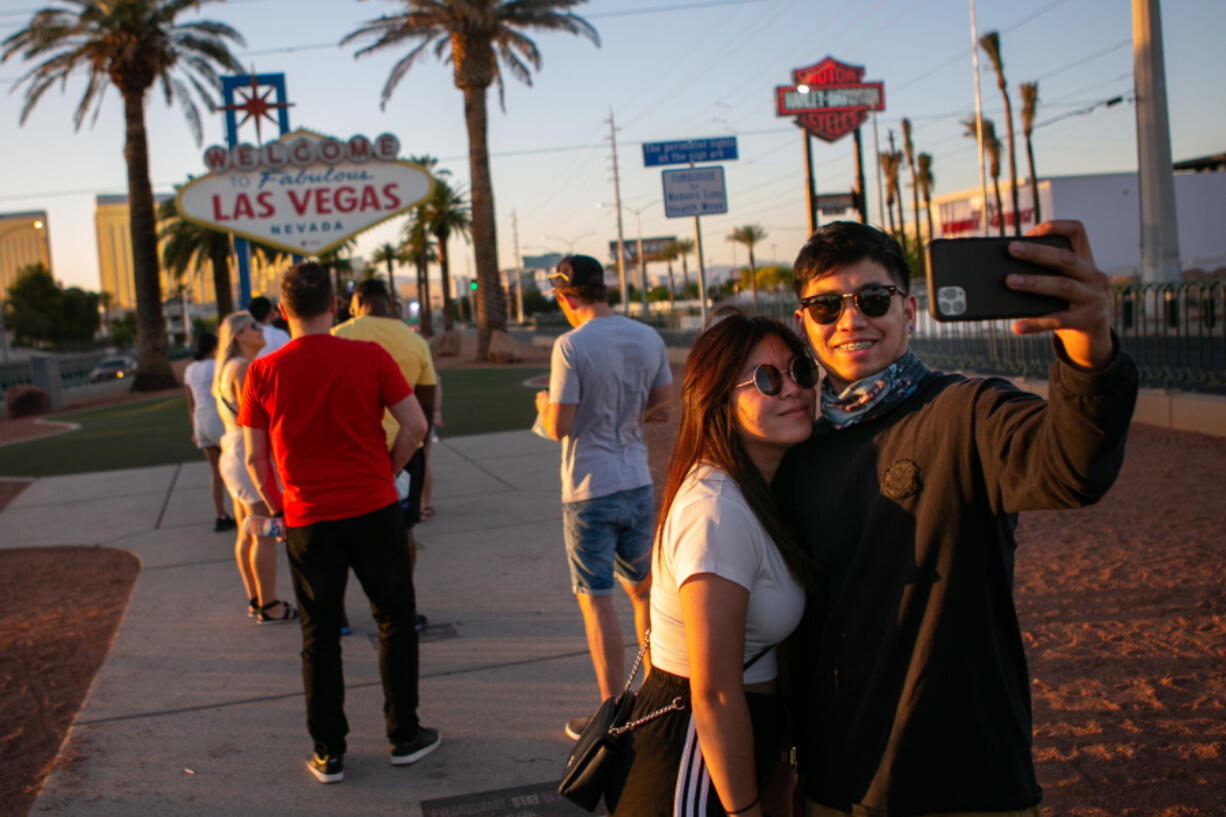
pixel 1107 204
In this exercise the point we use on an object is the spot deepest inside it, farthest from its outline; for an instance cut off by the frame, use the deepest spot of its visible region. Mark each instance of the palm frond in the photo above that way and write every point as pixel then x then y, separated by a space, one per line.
pixel 990 43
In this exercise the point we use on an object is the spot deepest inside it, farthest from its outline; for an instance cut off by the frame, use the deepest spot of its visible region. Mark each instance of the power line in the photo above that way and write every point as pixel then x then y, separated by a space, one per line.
pixel 662 9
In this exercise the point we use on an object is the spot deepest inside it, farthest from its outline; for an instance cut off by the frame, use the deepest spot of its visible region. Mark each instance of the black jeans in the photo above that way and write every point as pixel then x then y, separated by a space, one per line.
pixel 320 556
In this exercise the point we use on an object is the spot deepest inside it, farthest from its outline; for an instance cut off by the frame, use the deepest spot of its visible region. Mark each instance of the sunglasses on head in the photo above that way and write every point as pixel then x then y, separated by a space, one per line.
pixel 873 301
pixel 768 380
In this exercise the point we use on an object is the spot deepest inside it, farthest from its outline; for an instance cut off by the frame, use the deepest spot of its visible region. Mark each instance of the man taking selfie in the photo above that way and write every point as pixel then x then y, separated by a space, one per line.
pixel 910 678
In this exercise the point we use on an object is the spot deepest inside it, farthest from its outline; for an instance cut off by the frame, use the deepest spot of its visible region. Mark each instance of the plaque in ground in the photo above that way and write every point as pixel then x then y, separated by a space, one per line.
pixel 536 800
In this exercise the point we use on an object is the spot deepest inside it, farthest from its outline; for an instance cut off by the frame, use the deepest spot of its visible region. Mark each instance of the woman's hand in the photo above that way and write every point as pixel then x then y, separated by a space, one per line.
pixel 778 790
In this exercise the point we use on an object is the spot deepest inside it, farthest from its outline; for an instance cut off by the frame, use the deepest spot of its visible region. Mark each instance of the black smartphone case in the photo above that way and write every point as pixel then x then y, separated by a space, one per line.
pixel 966 279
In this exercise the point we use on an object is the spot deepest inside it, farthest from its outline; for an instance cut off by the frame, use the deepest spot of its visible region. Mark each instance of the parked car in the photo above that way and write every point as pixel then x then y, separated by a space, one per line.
pixel 112 368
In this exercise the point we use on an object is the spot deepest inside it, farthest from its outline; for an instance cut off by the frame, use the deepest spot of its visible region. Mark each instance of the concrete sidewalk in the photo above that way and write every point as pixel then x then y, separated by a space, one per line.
pixel 199 711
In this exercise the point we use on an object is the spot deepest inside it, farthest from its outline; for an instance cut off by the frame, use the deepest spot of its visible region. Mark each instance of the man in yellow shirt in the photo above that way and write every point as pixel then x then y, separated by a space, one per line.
pixel 374 322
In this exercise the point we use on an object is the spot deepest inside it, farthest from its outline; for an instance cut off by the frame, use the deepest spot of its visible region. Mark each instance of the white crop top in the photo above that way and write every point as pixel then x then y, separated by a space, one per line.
pixel 711 529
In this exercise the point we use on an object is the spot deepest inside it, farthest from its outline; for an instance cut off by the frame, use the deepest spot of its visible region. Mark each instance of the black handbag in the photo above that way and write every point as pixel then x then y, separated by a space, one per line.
pixel 596 754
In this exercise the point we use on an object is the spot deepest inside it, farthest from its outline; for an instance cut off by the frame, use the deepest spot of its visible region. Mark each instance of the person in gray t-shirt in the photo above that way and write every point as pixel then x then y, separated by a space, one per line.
pixel 607 375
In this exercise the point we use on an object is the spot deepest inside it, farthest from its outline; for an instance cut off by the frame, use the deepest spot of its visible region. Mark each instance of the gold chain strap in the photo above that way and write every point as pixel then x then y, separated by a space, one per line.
pixel 618 731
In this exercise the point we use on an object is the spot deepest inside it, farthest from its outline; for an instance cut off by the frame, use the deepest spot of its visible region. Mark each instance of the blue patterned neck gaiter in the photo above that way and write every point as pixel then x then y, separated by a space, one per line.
pixel 874 395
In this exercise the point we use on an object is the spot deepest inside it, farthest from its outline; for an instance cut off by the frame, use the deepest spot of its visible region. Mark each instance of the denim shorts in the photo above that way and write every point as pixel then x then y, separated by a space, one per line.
pixel 606 535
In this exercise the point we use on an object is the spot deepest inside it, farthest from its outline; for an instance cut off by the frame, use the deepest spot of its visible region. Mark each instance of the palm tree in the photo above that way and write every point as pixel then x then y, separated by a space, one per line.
pixel 447 214
pixel 990 43
pixel 749 235
pixel 341 268
pixel 926 180
pixel 186 244
pixel 909 151
pixel 991 146
pixel 388 253
pixel 130 44
pixel 106 299
pixel 1030 106
pixel 685 246
pixel 416 246
pixel 482 39
pixel 891 165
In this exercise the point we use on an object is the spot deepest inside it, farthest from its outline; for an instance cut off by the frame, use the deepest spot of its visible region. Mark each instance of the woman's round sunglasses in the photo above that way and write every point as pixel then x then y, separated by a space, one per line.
pixel 873 301
pixel 768 380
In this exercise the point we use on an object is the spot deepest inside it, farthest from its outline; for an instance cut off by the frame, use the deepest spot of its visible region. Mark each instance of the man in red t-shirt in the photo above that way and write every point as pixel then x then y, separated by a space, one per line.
pixel 315 407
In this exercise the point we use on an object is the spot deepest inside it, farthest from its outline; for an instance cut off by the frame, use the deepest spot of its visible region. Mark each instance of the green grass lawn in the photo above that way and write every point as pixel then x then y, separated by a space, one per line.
pixel 132 435
pixel 158 432
pixel 480 401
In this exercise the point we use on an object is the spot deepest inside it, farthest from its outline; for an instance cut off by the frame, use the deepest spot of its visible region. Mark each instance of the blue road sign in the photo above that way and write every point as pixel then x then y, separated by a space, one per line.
pixel 696 191
pixel 691 151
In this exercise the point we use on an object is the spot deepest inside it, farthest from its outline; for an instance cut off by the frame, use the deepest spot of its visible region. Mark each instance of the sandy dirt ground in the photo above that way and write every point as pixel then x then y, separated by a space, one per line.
pixel 1123 607
pixel 59 610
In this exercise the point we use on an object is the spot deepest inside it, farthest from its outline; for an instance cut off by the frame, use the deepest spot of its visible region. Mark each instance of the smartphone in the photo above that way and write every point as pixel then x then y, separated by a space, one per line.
pixel 966 279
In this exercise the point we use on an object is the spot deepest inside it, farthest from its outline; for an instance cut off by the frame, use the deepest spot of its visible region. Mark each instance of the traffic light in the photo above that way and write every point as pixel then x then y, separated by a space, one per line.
pixel 472 286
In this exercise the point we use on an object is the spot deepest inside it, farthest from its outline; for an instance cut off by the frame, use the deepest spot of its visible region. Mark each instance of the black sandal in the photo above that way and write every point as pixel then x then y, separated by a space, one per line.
pixel 288 613
pixel 253 608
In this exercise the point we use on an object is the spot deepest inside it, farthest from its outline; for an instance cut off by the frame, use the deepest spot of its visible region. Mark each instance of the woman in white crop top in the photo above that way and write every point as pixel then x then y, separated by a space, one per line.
pixel 728 579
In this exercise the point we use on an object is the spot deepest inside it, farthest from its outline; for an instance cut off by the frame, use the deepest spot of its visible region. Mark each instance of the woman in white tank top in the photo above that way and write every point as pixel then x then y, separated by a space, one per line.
pixel 728 579
pixel 240 340
pixel 207 427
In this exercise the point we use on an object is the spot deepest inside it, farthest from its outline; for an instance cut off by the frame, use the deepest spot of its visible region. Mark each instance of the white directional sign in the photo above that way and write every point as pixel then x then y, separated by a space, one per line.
pixel 697 191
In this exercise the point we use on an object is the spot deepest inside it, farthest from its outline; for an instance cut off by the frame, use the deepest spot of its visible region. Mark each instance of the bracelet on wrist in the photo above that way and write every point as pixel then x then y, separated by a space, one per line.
pixel 744 809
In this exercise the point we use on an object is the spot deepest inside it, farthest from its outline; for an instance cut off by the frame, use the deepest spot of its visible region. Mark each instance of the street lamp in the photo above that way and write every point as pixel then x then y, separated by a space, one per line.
pixel 37 224
pixel 638 226
pixel 569 242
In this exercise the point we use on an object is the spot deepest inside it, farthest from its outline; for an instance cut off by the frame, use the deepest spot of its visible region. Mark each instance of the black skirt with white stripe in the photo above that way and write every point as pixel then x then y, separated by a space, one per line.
pixel 663 774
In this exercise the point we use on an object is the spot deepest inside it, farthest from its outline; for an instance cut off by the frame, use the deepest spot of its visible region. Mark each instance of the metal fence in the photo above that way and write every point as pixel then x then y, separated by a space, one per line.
pixel 1173 331
pixel 74 370
pixel 1176 333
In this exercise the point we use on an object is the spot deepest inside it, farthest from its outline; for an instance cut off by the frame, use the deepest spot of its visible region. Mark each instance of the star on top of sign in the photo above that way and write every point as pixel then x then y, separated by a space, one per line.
pixel 254 104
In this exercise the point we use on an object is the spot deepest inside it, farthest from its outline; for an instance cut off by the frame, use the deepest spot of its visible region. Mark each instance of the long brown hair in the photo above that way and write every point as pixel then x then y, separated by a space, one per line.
pixel 708 426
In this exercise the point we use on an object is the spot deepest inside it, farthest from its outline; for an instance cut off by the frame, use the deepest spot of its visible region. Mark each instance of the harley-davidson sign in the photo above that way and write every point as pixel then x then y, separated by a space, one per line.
pixel 305 193
pixel 830 99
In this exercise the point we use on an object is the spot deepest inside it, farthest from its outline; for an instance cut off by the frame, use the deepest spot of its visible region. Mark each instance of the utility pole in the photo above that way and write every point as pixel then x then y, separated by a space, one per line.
pixel 983 182
pixel 519 270
pixel 617 205
pixel 877 162
pixel 902 224
pixel 861 203
pixel 810 184
pixel 638 227
pixel 1155 177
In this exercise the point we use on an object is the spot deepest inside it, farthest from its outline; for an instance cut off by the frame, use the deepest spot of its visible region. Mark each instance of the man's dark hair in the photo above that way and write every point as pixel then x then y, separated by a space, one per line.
pixel 306 290
pixel 259 307
pixel 373 296
pixel 206 345
pixel 587 275
pixel 371 289
pixel 841 243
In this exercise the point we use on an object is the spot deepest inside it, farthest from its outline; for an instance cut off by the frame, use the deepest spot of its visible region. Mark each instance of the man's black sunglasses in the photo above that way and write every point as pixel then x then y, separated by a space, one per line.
pixel 768 380
pixel 873 301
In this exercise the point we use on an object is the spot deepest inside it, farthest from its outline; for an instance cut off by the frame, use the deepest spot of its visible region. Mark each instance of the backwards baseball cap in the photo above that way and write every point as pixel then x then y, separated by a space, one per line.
pixel 577 271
